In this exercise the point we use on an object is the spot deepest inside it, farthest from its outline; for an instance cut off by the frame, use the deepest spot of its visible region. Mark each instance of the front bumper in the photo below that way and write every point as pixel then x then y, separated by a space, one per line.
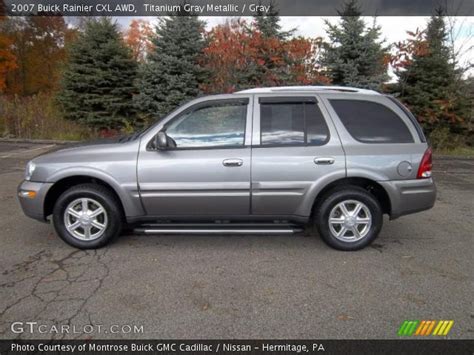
pixel 33 206
pixel 410 196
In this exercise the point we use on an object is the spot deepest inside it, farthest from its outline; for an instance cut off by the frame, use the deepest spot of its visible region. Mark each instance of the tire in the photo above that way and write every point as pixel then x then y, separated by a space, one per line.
pixel 94 229
pixel 340 205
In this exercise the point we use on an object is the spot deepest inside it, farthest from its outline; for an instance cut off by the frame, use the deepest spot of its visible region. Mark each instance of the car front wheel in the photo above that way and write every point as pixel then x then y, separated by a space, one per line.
pixel 349 218
pixel 87 216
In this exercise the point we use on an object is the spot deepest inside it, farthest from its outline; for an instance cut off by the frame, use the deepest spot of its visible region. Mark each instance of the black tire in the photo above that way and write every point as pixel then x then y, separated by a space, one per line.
pixel 98 193
pixel 332 199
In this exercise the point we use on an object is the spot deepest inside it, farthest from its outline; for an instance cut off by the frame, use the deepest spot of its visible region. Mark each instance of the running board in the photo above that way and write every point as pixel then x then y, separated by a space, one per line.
pixel 234 230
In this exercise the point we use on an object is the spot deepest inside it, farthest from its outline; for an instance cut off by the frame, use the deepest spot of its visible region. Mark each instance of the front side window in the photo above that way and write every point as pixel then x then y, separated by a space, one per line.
pixel 214 124
pixel 371 122
pixel 291 121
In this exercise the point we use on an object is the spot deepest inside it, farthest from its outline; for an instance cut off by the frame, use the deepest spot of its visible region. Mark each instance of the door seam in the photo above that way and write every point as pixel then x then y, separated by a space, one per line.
pixel 251 156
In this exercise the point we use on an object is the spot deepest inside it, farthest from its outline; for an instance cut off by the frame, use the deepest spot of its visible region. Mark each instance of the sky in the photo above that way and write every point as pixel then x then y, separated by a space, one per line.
pixel 393 29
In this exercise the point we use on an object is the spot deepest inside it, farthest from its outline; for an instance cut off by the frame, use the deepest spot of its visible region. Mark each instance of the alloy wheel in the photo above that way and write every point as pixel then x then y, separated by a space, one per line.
pixel 85 219
pixel 350 221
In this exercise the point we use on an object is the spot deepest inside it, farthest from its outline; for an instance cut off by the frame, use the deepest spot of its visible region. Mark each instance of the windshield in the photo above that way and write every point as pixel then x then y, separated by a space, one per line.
pixel 137 134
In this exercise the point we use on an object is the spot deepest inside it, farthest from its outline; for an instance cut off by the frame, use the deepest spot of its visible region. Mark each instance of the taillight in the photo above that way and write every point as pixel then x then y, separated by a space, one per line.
pixel 424 171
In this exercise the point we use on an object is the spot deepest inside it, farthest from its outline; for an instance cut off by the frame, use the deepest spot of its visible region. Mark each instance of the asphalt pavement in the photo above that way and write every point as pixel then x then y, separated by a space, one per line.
pixel 206 287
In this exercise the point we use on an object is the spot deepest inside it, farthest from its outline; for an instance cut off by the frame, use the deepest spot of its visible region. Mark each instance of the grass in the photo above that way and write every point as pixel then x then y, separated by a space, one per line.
pixel 465 151
pixel 36 117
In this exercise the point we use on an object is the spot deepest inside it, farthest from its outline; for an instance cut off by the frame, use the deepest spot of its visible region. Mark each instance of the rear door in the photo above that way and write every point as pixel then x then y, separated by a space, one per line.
pixel 295 148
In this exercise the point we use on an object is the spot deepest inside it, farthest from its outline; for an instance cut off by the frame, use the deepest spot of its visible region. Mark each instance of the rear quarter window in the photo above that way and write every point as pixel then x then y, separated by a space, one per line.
pixel 371 122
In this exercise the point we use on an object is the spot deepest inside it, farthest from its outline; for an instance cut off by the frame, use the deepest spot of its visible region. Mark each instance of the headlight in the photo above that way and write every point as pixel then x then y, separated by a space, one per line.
pixel 30 168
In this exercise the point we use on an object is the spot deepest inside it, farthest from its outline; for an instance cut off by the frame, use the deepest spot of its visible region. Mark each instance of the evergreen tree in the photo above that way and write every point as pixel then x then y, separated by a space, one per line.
pixel 355 55
pixel 274 64
pixel 172 74
pixel 431 85
pixel 97 83
pixel 269 24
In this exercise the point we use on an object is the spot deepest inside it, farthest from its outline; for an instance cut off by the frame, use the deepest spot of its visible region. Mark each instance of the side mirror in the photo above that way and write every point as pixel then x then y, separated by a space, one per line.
pixel 161 140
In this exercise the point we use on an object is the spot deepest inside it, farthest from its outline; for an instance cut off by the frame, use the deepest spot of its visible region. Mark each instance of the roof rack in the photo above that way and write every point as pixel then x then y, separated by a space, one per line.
pixel 308 88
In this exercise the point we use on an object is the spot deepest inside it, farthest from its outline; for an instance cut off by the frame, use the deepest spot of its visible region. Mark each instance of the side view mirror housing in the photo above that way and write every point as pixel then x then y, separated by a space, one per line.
pixel 161 140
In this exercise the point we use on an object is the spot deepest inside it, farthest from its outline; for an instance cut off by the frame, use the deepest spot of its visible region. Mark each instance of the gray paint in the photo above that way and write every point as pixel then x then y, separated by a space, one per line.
pixel 271 182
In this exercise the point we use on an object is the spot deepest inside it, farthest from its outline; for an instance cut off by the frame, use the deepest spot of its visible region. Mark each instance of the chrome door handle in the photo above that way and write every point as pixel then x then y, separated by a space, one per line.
pixel 324 161
pixel 232 162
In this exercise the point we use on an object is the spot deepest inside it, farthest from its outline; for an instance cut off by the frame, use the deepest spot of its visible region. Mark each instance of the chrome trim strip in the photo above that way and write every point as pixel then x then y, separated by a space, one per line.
pixel 216 231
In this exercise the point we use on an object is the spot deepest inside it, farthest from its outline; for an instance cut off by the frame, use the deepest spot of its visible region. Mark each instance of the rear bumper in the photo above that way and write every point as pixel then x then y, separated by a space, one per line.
pixel 410 196
pixel 33 206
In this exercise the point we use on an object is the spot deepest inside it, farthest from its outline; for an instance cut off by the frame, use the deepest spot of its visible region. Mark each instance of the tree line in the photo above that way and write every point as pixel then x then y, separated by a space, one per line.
pixel 101 78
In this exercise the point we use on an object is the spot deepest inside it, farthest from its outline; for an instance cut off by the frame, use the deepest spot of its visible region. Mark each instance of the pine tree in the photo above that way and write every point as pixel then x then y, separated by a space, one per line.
pixel 431 85
pixel 355 55
pixel 274 64
pixel 97 83
pixel 269 24
pixel 172 74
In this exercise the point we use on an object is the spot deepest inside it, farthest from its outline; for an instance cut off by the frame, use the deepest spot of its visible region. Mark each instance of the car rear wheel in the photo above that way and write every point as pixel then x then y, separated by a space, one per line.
pixel 349 218
pixel 87 216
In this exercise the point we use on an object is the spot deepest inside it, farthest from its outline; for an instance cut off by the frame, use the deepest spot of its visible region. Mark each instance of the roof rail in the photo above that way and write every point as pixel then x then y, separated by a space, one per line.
pixel 308 88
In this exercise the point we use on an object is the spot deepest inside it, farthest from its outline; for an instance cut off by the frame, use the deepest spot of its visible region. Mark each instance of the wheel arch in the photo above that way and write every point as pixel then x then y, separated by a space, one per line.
pixel 65 183
pixel 370 185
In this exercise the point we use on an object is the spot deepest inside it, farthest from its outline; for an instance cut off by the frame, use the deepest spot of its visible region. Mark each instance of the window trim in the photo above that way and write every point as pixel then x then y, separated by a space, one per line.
pixel 373 102
pixel 244 101
pixel 292 100
pixel 286 99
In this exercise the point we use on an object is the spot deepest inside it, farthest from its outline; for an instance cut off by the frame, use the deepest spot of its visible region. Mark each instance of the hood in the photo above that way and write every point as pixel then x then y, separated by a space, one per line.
pixel 94 142
pixel 83 151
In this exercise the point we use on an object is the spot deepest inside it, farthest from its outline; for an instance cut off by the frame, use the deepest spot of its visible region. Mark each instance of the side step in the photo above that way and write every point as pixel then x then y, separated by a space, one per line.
pixel 229 230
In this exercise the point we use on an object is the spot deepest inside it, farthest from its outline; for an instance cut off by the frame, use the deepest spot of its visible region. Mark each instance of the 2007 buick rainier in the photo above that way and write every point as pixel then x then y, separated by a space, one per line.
pixel 265 160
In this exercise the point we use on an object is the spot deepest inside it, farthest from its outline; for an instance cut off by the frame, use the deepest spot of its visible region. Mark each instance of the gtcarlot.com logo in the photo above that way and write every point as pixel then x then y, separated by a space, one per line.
pixel 425 327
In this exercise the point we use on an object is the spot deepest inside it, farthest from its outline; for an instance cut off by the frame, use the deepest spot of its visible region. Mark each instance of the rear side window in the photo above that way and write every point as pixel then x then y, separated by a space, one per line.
pixel 410 115
pixel 371 122
pixel 291 121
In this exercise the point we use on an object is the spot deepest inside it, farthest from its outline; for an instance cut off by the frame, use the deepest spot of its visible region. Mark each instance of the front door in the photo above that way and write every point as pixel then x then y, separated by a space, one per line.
pixel 206 170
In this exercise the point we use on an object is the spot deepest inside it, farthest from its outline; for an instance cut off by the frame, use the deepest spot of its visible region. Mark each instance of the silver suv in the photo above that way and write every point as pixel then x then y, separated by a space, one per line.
pixel 268 160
